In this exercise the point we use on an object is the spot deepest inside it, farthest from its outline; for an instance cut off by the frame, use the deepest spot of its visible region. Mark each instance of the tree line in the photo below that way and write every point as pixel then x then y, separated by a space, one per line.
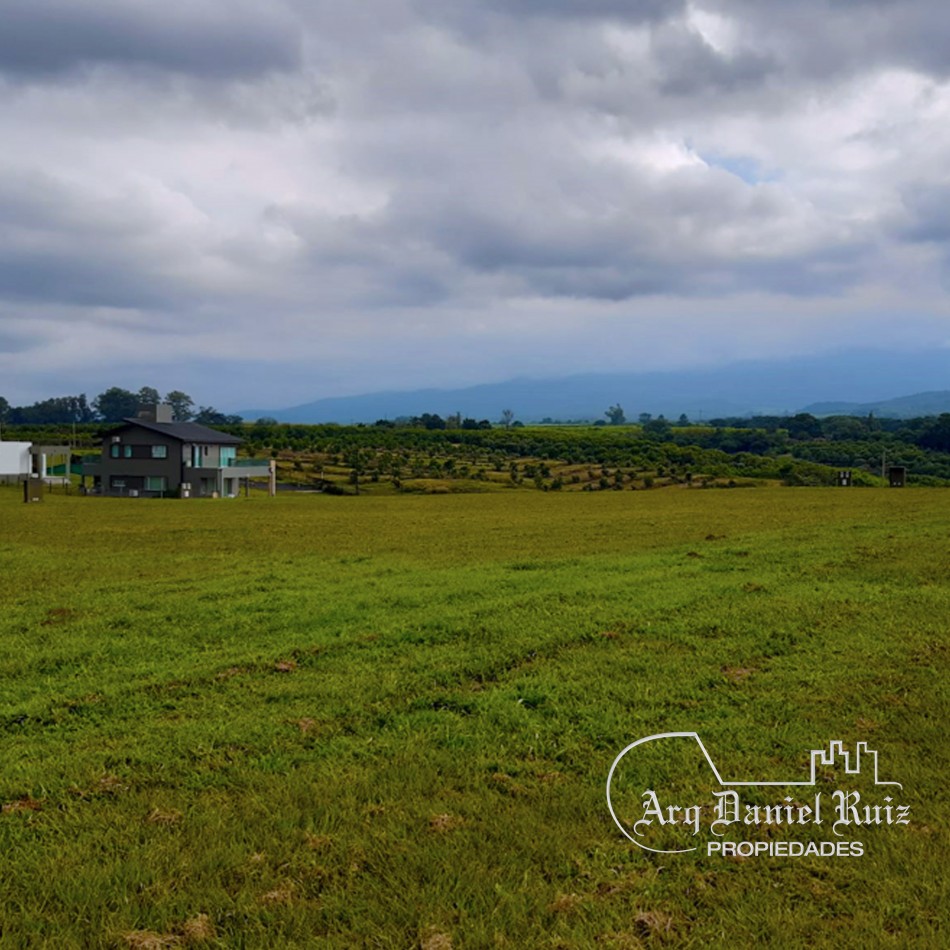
pixel 831 439
pixel 113 405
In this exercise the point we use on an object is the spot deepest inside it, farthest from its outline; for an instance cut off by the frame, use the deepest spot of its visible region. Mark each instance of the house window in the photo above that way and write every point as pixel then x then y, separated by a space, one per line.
pixel 159 451
pixel 114 450
pixel 228 455
pixel 156 483
pixel 127 451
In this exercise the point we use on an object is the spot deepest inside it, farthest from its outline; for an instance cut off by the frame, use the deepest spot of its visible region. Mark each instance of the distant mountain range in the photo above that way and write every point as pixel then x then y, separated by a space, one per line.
pixel 903 407
pixel 869 380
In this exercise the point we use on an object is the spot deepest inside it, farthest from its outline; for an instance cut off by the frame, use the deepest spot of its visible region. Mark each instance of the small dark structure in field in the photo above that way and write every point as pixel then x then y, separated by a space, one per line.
pixel 844 478
pixel 154 456
pixel 897 476
pixel 32 488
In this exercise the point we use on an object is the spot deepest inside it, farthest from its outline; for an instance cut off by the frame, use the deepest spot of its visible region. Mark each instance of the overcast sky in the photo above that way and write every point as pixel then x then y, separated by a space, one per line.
pixel 264 203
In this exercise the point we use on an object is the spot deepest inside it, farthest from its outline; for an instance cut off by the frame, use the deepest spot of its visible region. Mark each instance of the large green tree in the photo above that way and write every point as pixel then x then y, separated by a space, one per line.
pixel 937 434
pixel 183 406
pixel 209 416
pixel 658 428
pixel 116 404
pixel 148 396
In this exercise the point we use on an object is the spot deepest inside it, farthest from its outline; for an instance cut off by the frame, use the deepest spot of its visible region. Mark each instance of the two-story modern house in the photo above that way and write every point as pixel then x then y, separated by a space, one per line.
pixel 152 456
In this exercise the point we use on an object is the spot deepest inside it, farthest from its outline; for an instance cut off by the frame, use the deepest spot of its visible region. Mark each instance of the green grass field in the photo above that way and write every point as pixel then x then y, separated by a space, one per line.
pixel 387 721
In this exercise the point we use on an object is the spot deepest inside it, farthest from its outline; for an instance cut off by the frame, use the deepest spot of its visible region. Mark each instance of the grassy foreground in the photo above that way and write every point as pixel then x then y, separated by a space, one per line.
pixel 387 722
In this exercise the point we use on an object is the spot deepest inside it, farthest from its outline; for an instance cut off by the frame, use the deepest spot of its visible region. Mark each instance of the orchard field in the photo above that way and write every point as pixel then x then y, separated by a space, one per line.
pixel 387 721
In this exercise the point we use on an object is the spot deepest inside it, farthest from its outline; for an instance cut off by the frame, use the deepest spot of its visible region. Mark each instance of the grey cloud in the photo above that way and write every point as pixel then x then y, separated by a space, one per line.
pixel 927 214
pixel 362 160
pixel 64 246
pixel 823 272
pixel 33 201
pixel 689 66
pixel 79 278
pixel 17 343
pixel 45 38
pixel 59 247
pixel 635 11
pixel 919 35
pixel 819 39
pixel 612 237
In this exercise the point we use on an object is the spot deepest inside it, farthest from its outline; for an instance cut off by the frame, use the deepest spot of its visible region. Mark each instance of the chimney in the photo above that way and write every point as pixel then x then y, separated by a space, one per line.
pixel 153 413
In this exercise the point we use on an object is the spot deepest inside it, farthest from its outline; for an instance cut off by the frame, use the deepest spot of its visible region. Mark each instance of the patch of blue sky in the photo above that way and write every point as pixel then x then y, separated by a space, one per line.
pixel 742 166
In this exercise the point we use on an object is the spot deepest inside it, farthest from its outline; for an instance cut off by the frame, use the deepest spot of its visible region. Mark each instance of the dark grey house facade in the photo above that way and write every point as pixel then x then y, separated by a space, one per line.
pixel 153 456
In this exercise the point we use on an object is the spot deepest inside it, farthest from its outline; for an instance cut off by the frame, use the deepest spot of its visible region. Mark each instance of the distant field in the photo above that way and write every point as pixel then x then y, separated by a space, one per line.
pixel 387 721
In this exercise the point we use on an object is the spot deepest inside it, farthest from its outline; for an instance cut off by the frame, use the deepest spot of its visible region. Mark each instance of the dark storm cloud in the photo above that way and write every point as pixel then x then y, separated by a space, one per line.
pixel 224 40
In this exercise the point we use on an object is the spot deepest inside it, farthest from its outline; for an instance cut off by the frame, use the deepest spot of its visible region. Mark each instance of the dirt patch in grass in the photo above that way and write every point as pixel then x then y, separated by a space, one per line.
pixel 445 822
pixel 197 930
pixel 57 615
pixel 435 939
pixel 25 804
pixel 565 904
pixel 229 672
pixel 110 785
pixel 653 923
pixel 280 896
pixel 737 674
pixel 619 940
pixel 149 940
pixel 318 842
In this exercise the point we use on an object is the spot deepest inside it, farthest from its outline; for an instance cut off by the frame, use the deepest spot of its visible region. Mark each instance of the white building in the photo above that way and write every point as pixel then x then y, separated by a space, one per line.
pixel 15 462
pixel 18 460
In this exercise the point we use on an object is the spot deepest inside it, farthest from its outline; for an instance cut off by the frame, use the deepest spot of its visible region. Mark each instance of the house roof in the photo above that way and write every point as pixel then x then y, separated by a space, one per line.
pixel 182 431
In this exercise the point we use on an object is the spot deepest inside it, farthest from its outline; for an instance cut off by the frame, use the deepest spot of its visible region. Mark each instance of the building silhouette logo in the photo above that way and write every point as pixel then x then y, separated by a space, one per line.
pixel 647 812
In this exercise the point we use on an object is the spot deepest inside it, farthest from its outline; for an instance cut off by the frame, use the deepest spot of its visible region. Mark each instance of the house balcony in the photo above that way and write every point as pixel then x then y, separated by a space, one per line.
pixel 247 468
pixel 231 468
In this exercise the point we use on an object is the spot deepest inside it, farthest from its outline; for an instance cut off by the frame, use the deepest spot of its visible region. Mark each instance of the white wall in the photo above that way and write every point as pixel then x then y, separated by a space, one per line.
pixel 14 458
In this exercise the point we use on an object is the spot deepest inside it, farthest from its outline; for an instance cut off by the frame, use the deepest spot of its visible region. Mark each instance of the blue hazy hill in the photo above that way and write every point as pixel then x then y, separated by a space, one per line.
pixel 903 407
pixel 857 378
